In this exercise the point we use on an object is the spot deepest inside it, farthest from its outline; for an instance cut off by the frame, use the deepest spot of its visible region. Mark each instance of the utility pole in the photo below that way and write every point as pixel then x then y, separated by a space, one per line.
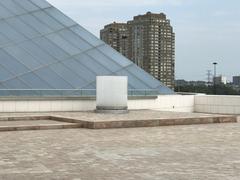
pixel 209 74
pixel 214 77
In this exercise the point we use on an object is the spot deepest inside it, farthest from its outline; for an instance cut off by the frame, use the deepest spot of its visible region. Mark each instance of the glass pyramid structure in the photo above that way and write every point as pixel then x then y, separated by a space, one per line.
pixel 41 48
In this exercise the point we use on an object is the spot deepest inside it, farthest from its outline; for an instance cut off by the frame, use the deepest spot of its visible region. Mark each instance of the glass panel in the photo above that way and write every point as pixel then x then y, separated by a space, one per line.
pixel 105 61
pixel 114 55
pixel 4 74
pixel 2 87
pixel 10 33
pixel 165 90
pixel 133 81
pixel 4 13
pixel 3 40
pixel 91 64
pixel 34 81
pixel 80 69
pixel 87 36
pixel 16 84
pixel 52 78
pixel 68 75
pixel 36 24
pixel 51 48
pixel 41 3
pixel 144 76
pixel 13 7
pixel 51 22
pixel 91 86
pixel 63 44
pixel 26 4
pixel 11 64
pixel 22 27
pixel 42 56
pixel 56 14
pixel 22 56
pixel 75 39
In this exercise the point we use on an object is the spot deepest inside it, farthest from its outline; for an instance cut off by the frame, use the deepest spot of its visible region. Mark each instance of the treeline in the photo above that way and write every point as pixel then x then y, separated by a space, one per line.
pixel 219 89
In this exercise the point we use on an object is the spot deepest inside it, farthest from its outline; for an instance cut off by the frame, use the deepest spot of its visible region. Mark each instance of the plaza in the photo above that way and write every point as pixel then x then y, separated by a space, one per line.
pixel 171 152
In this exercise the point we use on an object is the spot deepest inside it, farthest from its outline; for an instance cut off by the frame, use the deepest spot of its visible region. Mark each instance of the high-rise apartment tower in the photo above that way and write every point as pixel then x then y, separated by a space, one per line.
pixel 151 45
pixel 116 35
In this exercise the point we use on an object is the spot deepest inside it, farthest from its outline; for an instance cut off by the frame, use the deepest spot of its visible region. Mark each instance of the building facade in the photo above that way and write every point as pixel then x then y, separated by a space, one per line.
pixel 236 80
pixel 151 45
pixel 117 36
pixel 220 80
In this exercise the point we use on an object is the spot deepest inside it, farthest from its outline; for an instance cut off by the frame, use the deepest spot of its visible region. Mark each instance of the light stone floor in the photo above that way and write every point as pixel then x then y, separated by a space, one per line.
pixel 29 123
pixel 196 152
pixel 132 115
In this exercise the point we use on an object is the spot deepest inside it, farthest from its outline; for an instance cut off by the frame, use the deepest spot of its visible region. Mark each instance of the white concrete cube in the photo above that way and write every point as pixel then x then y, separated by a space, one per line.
pixel 112 92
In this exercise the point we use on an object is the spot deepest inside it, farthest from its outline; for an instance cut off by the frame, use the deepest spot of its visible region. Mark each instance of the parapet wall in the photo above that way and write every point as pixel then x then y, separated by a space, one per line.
pixel 217 104
pixel 177 103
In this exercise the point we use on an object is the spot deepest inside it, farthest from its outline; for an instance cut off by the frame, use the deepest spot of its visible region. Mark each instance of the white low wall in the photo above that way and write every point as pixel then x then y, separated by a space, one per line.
pixel 180 103
pixel 217 104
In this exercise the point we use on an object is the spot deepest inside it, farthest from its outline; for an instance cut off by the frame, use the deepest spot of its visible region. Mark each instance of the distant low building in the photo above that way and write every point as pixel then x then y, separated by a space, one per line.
pixel 220 80
pixel 236 80
pixel 182 82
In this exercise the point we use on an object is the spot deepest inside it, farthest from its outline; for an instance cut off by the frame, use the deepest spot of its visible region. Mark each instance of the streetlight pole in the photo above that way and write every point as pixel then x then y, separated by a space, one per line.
pixel 214 77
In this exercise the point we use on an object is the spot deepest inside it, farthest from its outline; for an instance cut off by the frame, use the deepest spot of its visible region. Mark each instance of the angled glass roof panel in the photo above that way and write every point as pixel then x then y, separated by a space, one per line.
pixel 87 36
pixel 22 56
pixel 48 20
pixel 51 48
pixel 27 5
pixel 23 28
pixel 10 32
pixel 133 81
pixel 59 16
pixel 13 7
pixel 4 74
pixel 2 87
pixel 63 44
pixel 11 64
pixel 91 64
pixel 3 40
pixel 43 56
pixel 102 59
pixel 34 81
pixel 5 13
pixel 91 86
pixel 41 48
pixel 52 78
pixel 33 22
pixel 80 69
pixel 75 39
pixel 141 74
pixel 68 75
pixel 16 84
pixel 114 55
pixel 41 3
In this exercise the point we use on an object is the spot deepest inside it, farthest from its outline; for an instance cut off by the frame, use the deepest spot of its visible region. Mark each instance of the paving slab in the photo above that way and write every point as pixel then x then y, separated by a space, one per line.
pixel 140 118
pixel 199 152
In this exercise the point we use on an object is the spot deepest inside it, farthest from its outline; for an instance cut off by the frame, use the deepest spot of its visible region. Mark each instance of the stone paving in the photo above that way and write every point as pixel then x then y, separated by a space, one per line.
pixel 140 118
pixel 196 152
pixel 34 122
pixel 132 115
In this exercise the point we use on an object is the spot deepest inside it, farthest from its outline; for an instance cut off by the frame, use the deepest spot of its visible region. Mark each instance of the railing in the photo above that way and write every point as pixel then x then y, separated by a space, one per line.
pixel 67 92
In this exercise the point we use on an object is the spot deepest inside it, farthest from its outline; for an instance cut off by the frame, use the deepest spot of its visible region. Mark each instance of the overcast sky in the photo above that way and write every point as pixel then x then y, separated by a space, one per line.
pixel 206 30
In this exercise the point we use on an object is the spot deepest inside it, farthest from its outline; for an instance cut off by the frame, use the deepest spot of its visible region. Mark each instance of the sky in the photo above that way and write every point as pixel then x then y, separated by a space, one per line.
pixel 207 31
